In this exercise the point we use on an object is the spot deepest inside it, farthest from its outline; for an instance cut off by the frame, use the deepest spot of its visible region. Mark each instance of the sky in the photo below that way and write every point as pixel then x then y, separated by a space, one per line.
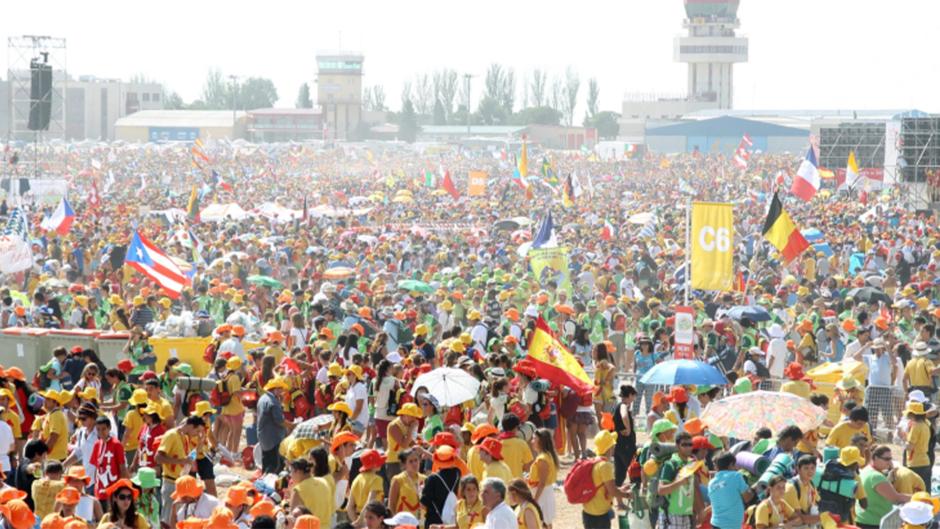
pixel 804 54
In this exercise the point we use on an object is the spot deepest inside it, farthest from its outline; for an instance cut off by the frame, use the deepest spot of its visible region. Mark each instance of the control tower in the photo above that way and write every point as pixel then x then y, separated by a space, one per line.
pixel 711 48
pixel 339 92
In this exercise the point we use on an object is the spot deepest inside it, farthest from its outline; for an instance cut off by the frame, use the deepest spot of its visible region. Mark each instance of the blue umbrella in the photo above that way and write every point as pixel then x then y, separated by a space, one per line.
pixel 673 372
pixel 754 313
pixel 812 234
pixel 824 248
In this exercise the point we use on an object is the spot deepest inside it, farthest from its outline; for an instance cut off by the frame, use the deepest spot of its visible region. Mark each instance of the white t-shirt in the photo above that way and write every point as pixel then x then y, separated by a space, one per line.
pixel 381 398
pixel 501 517
pixel 202 508
pixel 84 443
pixel 233 345
pixel 776 357
pixel 6 446
pixel 299 337
pixel 358 392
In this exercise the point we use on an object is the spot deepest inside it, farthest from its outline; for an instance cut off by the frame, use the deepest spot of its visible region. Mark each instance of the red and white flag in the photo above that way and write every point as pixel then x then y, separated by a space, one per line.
pixel 742 155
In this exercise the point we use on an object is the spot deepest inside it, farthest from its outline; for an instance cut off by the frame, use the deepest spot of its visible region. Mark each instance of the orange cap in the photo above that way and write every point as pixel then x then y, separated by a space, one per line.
pixel 263 508
pixel 9 494
pixel 122 484
pixel 76 523
pixel 187 486
pixel 342 438
pixel 493 447
pixel 16 374
pixel 236 496
pixel 192 523
pixel 482 431
pixel 68 496
pixel 52 521
pixel 238 330
pixel 307 521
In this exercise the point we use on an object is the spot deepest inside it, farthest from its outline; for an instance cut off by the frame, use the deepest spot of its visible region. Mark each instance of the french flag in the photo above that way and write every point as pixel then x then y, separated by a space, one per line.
pixel 61 219
pixel 147 259
pixel 806 183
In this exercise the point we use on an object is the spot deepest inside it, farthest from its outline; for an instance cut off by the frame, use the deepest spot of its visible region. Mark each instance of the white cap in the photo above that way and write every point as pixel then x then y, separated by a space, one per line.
pixel 916 512
pixel 775 331
pixel 394 357
pixel 402 518
pixel 531 312
pixel 917 396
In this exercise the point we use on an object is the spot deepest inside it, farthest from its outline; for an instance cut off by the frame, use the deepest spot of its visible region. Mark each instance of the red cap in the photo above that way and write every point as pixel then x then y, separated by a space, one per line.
pixel 147 376
pixel 699 442
pixel 125 366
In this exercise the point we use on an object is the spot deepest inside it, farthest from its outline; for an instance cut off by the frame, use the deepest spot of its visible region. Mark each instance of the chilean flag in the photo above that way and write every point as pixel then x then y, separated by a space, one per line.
pixel 61 219
pixel 806 182
pixel 147 259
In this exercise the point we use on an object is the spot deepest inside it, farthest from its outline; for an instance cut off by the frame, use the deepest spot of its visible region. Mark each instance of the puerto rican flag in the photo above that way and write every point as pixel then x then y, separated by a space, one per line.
pixel 742 155
pixel 61 219
pixel 149 260
pixel 806 183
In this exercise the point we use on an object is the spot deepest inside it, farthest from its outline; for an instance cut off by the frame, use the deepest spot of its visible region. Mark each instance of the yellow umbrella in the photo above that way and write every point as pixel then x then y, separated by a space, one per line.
pixel 340 272
pixel 439 192
pixel 401 199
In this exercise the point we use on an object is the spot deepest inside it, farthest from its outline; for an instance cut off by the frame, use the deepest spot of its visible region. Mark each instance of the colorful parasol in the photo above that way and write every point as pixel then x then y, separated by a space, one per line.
pixel 740 416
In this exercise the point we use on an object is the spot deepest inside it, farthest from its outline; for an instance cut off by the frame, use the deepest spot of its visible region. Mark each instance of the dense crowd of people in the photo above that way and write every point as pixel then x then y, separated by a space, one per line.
pixel 317 323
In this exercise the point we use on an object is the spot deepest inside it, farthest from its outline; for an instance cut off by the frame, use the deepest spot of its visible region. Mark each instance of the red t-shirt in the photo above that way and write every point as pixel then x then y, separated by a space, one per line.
pixel 108 457
pixel 148 443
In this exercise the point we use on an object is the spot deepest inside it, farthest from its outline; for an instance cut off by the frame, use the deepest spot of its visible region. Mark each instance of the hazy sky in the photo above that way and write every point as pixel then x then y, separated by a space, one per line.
pixel 803 53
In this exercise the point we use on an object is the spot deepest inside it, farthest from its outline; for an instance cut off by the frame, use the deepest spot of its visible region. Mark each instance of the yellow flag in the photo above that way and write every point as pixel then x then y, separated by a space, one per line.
pixel 553 362
pixel 712 246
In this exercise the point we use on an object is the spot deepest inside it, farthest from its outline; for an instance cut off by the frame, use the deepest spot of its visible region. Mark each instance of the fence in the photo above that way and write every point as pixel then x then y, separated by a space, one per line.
pixel 885 404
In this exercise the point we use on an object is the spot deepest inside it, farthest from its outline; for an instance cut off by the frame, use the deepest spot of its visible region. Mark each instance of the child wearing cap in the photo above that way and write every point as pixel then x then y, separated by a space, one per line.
pixel 367 486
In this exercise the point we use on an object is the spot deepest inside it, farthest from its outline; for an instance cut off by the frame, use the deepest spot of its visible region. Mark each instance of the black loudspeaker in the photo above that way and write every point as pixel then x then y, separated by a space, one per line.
pixel 40 95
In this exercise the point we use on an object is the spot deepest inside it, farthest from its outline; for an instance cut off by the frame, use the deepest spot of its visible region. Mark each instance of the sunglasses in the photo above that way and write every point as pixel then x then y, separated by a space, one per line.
pixel 123 497
pixel 685 445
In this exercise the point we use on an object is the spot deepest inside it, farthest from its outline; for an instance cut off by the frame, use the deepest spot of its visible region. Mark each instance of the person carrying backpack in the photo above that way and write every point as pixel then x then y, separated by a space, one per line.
pixel 677 485
pixel 591 483
pixel 839 486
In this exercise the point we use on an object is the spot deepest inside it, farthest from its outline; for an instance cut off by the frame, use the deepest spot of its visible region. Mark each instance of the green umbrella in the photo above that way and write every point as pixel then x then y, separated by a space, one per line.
pixel 265 281
pixel 414 284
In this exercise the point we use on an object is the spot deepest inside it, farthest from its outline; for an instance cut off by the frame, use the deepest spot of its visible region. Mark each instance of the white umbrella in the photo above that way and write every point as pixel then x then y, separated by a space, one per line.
pixel 451 387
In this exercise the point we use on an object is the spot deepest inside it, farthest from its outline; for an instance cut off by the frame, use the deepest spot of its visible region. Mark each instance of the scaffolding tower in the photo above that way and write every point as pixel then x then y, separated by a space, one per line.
pixel 866 139
pixel 20 52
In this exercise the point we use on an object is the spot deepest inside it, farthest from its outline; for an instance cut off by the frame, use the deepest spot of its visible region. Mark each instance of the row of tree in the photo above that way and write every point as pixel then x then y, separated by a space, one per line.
pixel 221 93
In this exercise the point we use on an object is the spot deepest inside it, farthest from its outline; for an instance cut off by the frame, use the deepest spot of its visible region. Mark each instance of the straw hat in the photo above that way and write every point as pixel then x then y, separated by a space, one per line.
pixel 604 441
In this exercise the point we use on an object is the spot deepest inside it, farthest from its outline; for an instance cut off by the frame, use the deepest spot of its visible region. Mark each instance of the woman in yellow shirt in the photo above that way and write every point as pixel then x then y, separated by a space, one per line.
pixel 918 436
pixel 233 413
pixel 404 492
pixel 367 487
pixel 341 412
pixel 775 511
pixel 491 452
pixel 311 492
pixel 543 473
pixel 603 379
pixel 528 512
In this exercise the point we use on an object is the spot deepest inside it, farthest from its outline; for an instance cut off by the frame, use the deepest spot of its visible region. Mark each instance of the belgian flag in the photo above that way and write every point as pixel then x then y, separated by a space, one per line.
pixel 780 230
pixel 192 208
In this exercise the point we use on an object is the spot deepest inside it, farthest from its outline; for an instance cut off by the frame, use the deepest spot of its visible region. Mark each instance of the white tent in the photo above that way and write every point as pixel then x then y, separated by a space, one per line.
pixel 221 212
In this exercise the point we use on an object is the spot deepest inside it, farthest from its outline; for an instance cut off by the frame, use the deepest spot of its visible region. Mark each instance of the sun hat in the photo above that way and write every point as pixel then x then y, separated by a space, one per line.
pixel 920 349
pixel 915 408
pixel 916 513
pixel 851 455
pixel 52 521
pixel 926 498
pixel 264 507
pixel 694 426
pixel 371 459
pixel 9 494
pixel 662 426
pixel 146 478
pixel 917 395
pixel 604 440
pixel 307 521
pixel 340 406
pixel 77 472
pixel 794 371
pixel 742 385
pixel 276 383
pixel 202 408
pixel 678 395
pixel 700 442
pixel 493 447
pixel 187 486
pixel 482 431
pixel 445 439
pixel 68 496
pixel 18 514
pixel 355 370
pixel 446 457
pixel 847 382
pixel 401 518
pixel 234 363
pixel 192 523
pixel 411 409
pixel 342 438
pixel 334 370
pixel 122 484
pixel 236 496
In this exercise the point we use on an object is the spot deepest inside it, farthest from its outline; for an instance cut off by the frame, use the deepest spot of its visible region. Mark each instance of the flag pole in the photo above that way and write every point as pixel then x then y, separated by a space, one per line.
pixel 688 249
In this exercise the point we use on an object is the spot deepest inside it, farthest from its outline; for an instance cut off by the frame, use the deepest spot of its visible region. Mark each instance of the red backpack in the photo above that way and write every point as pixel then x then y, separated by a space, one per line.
pixel 579 483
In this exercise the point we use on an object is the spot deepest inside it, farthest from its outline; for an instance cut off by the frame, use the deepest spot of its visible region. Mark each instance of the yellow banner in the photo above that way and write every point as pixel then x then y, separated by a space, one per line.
pixel 712 246
pixel 476 181
pixel 550 266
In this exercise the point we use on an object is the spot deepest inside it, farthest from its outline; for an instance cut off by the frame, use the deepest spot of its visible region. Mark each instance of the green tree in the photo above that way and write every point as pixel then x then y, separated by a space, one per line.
pixel 536 116
pixel 491 111
pixel 539 88
pixel 593 97
pixel 570 99
pixel 606 123
pixel 216 94
pixel 440 118
pixel 256 92
pixel 303 97
pixel 172 101
pixel 408 122
pixel 445 88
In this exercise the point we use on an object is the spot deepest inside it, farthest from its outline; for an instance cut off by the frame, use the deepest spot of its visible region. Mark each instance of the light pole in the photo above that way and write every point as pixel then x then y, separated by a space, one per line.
pixel 466 78
pixel 234 79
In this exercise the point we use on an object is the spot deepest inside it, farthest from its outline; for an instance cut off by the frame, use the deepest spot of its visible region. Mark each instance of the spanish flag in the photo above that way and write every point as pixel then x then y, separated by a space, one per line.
pixel 553 362
pixel 780 230
pixel 567 195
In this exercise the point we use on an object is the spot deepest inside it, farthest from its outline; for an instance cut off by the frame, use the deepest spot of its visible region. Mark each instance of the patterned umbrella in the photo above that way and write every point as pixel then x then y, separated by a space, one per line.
pixel 740 416
pixel 312 428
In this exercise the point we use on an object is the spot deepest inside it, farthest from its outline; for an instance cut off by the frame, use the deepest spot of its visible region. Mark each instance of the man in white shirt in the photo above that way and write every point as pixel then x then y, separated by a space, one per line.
pixel 776 351
pixel 234 343
pixel 356 397
pixel 191 501
pixel 500 515
pixel 7 442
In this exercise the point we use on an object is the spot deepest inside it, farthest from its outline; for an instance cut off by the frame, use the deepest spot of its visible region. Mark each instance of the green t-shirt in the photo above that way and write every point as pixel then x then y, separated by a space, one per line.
pixel 878 506
pixel 682 499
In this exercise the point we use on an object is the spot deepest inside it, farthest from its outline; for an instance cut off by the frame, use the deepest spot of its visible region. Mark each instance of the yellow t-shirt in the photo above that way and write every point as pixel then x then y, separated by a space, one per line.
pixel 520 516
pixel 174 444
pixel 316 495
pixel 469 516
pixel 600 504
pixel 13 420
pixel 391 456
pixel 56 423
pixel 365 484
pixel 409 500
pixel 233 383
pixel 497 469
pixel 44 491
pixel 475 462
pixel 918 371
pixel 133 424
pixel 552 472
pixel 907 482
pixel 841 434
pixel 276 352
pixel 767 516
pixel 803 501
pixel 808 443
pixel 917 437
pixel 797 387
pixel 139 523
pixel 166 409
pixel 516 455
